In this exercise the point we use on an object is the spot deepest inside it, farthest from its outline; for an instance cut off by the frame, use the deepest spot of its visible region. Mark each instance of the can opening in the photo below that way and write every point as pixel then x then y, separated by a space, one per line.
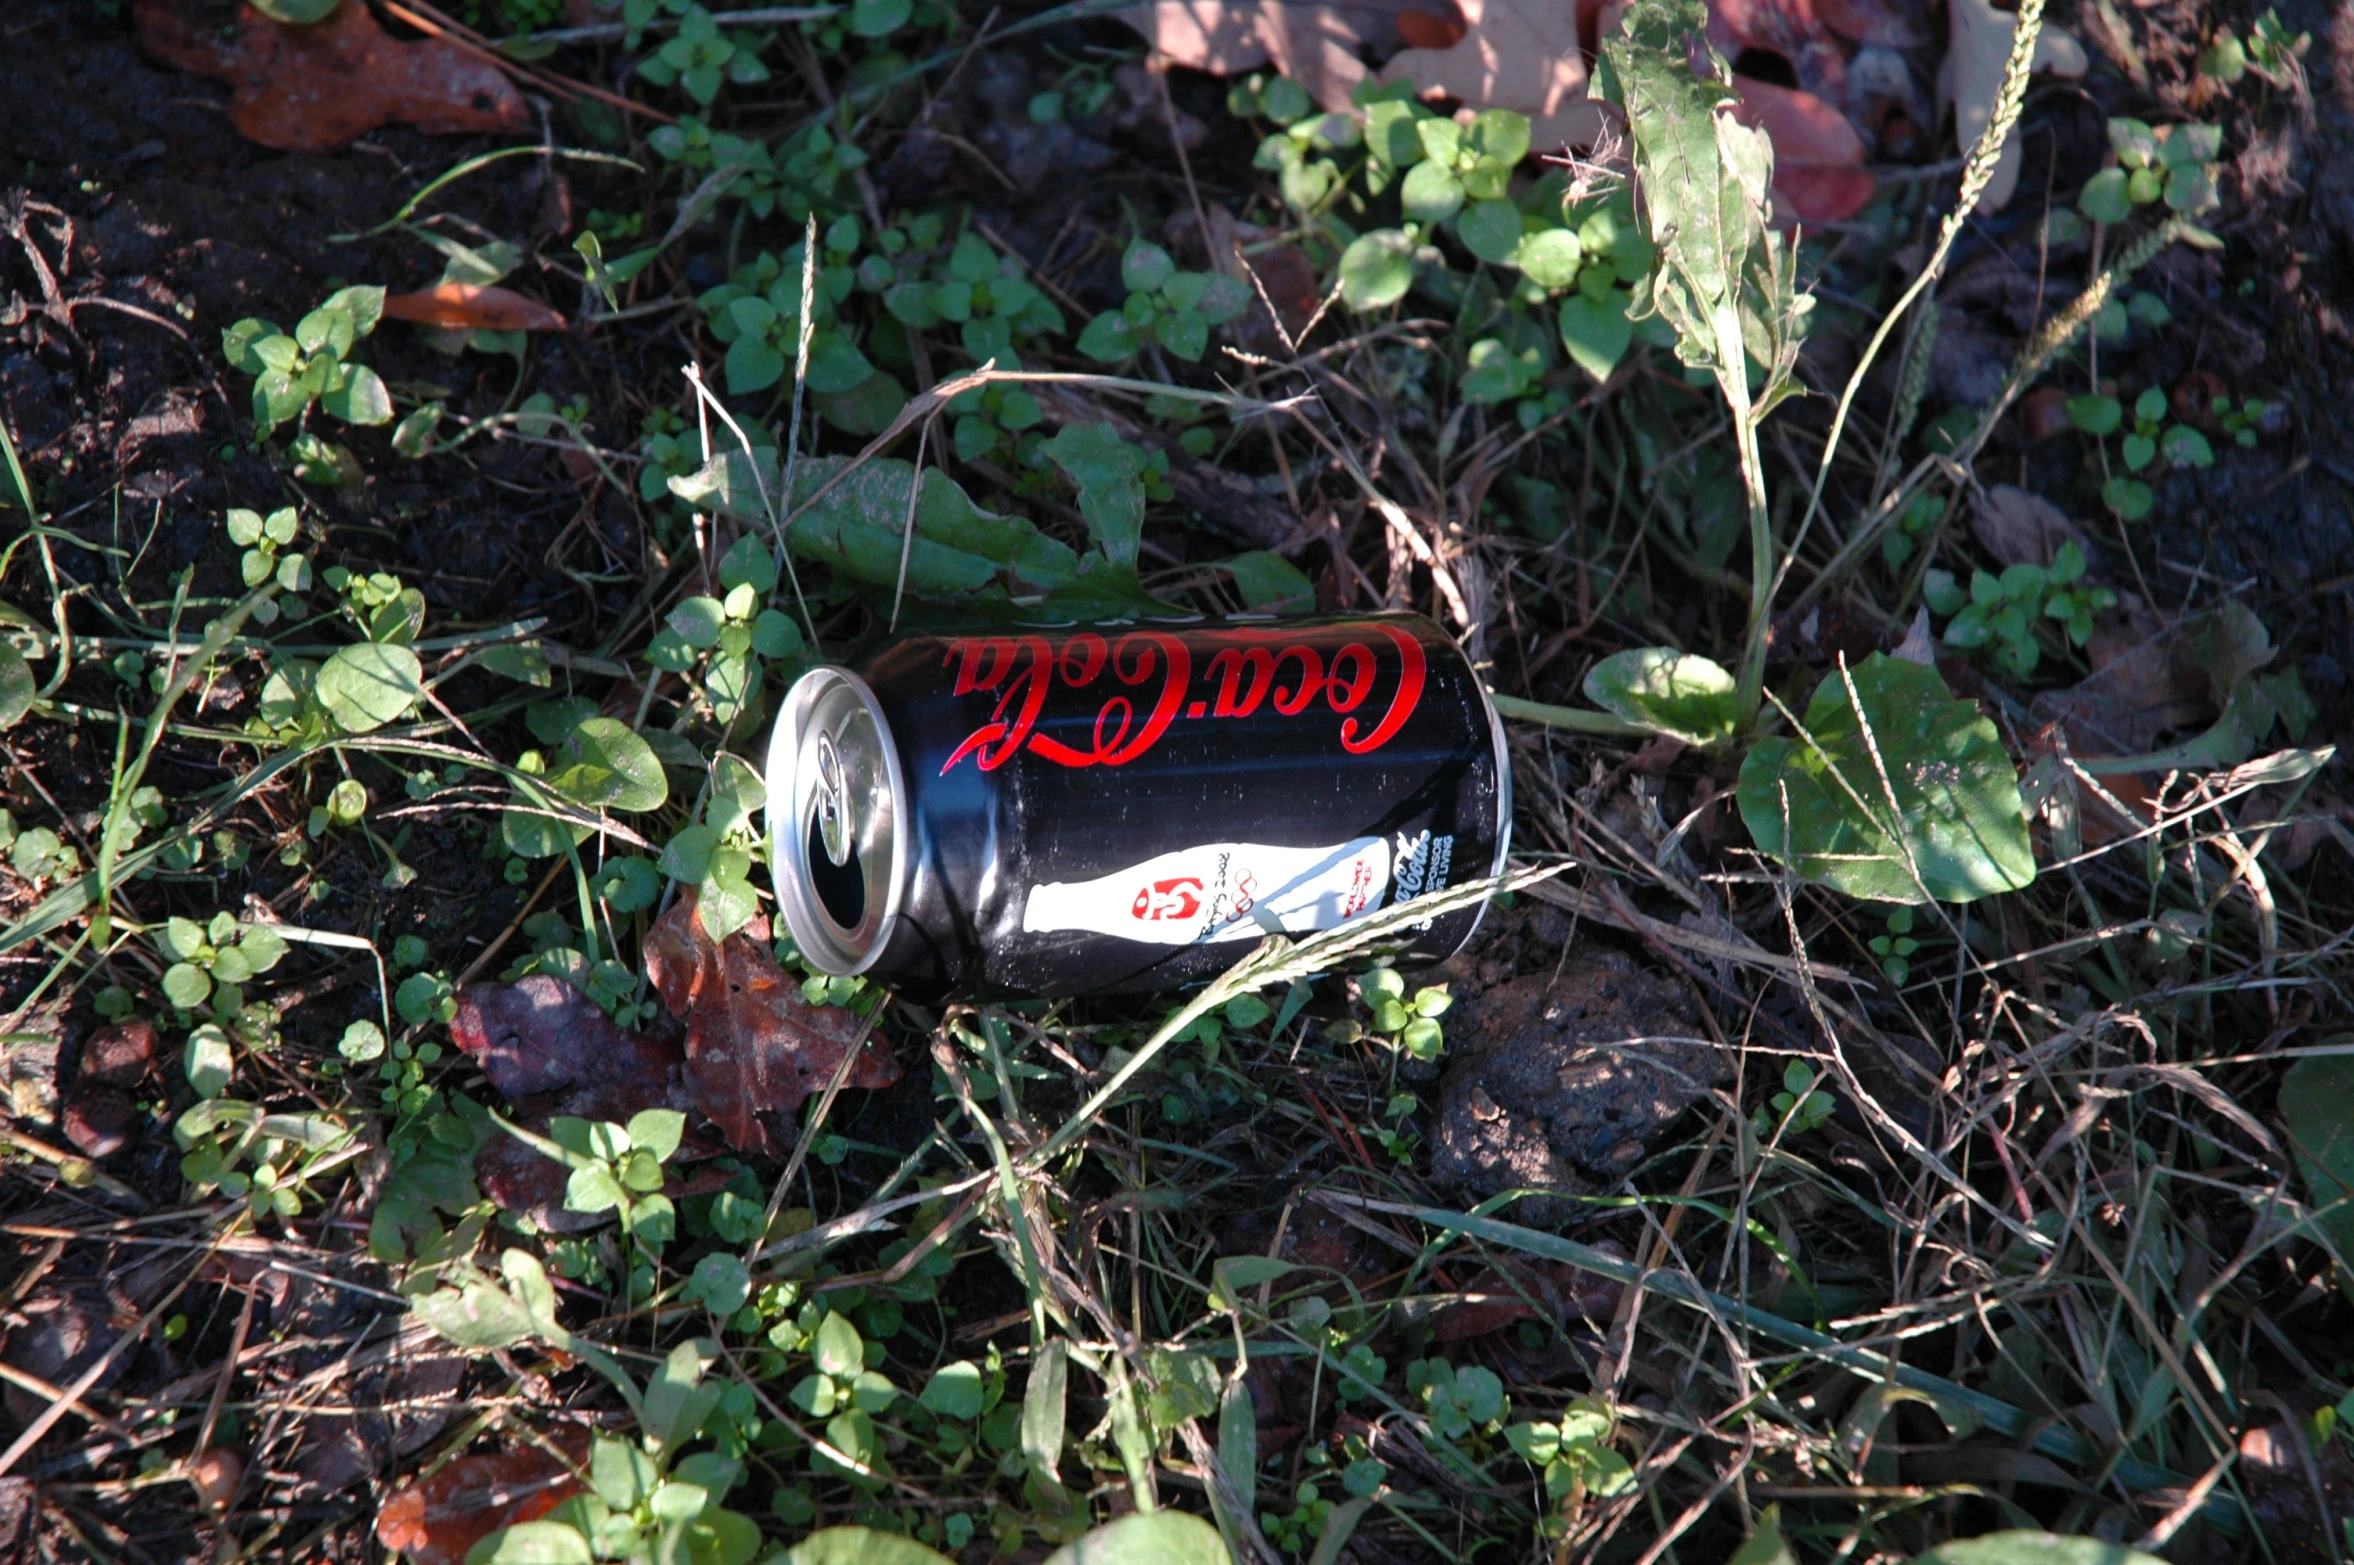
pixel 839 883
pixel 834 813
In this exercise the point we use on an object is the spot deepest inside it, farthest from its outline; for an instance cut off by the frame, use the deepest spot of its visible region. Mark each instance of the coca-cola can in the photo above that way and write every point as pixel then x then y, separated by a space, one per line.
pixel 1092 808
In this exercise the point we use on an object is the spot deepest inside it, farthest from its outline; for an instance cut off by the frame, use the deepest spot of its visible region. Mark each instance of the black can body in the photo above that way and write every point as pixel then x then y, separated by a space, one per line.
pixel 1098 808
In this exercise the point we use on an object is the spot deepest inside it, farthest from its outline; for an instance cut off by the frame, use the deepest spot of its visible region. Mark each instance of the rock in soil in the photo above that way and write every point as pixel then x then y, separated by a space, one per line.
pixel 119 1055
pixel 1559 1078
pixel 99 1120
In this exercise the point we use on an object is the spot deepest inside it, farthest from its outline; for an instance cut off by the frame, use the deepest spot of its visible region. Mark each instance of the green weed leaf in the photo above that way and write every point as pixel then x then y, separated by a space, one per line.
pixel 1673 692
pixel 1266 580
pixel 721 1282
pixel 860 1546
pixel 539 1543
pixel 478 1315
pixel 1955 815
pixel 2033 1548
pixel 1375 270
pixel 17 688
pixel 605 765
pixel 1152 1538
pixel 954 1391
pixel 1596 331
pixel 1110 475
pixel 2317 1102
pixel 1491 231
pixel 364 687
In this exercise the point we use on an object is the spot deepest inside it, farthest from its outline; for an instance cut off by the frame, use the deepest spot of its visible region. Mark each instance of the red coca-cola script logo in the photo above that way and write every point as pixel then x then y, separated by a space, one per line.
pixel 1249 669
pixel 1168 899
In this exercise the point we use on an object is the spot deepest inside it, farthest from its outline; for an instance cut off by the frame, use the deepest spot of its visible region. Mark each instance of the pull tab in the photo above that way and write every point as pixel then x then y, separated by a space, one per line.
pixel 834 822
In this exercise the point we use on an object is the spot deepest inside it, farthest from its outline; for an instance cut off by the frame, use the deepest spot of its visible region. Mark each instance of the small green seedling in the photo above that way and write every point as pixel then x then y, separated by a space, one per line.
pixel 1165 306
pixel 1460 1403
pixel 312 365
pixel 1575 1454
pixel 2127 309
pixel 2001 612
pixel 701 56
pixel 1401 1021
pixel 758 316
pixel 2150 437
pixel 222 952
pixel 2268 52
pixel 347 804
pixel 2170 163
pixel 2243 422
pixel 1913 529
pixel 983 294
pixel 1299 151
pixel 1798 1108
pixel 1895 949
pixel 724 641
pixel 1457 164
pixel 262 538
pixel 220 1137
pixel 1079 92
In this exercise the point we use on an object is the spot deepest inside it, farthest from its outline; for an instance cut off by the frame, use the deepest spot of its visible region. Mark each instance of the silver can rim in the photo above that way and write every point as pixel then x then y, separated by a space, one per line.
pixel 811 930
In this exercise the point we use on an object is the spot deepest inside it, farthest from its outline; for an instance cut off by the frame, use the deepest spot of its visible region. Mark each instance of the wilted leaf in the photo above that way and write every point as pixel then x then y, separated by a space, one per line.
pixel 1948 807
pixel 1722 283
pixel 473 307
pixel 2020 528
pixel 435 1521
pixel 316 89
pixel 755 1046
pixel 2153 678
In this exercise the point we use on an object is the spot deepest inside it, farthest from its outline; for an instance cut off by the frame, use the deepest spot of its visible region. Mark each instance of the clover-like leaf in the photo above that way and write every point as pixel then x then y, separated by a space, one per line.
pixel 1943 820
pixel 1375 270
pixel 364 687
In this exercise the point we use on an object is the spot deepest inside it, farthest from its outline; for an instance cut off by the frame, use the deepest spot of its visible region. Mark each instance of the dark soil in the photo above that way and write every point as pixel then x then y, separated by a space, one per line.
pixel 1564 1061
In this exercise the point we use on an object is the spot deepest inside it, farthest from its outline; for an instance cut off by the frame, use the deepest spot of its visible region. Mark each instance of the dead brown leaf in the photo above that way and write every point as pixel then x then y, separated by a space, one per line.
pixel 1317 45
pixel 1819 173
pixel 319 88
pixel 1791 29
pixel 1550 1291
pixel 473 307
pixel 539 1034
pixel 756 1048
pixel 1515 54
pixel 436 1520
pixel 2019 528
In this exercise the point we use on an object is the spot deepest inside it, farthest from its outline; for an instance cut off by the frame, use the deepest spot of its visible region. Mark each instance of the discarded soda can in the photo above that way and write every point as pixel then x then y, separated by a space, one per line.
pixel 1091 808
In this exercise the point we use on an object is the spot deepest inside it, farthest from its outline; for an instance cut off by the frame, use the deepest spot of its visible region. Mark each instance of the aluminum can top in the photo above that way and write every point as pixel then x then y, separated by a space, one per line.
pixel 832 765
